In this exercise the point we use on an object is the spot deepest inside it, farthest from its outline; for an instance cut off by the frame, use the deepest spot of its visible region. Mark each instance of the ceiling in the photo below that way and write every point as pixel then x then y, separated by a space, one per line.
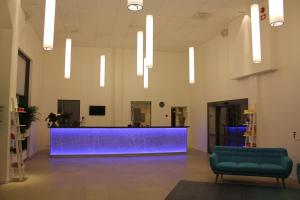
pixel 178 24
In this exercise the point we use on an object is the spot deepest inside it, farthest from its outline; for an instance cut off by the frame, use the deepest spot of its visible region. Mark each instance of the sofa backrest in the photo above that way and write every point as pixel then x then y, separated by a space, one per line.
pixel 256 155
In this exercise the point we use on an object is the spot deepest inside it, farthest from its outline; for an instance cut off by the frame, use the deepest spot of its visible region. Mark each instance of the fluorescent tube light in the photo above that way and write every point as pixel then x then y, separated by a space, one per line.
pixel 255 29
pixel 102 71
pixel 68 58
pixel 191 65
pixel 140 53
pixel 149 41
pixel 49 24
pixel 146 76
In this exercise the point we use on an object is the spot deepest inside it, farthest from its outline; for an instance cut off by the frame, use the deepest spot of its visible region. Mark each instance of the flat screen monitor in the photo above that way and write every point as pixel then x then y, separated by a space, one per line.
pixel 97 110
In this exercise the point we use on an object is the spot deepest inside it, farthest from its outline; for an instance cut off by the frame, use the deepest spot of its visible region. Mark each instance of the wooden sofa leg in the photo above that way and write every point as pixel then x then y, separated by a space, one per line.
pixel 221 176
pixel 283 182
pixel 217 177
pixel 277 180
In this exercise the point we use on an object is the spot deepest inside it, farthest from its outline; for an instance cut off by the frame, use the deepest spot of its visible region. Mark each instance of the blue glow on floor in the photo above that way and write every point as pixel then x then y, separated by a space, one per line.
pixel 108 141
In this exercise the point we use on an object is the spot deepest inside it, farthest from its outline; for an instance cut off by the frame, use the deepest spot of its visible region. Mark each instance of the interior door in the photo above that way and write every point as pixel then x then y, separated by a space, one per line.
pixel 211 128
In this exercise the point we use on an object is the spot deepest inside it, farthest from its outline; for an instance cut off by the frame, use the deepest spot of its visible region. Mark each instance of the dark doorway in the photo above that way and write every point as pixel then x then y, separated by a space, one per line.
pixel 22 89
pixel 23 73
pixel 173 117
pixel 226 123
pixel 178 116
pixel 141 113
pixel 70 112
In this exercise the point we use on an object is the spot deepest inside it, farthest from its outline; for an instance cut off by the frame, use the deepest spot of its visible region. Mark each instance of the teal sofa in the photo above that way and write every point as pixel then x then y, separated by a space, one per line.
pixel 265 162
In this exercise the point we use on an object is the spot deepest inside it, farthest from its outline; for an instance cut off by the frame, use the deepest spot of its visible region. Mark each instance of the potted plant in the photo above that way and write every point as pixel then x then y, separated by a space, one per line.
pixel 29 116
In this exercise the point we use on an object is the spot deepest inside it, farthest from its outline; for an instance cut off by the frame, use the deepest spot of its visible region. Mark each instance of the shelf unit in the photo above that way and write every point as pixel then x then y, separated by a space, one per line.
pixel 17 161
pixel 250 134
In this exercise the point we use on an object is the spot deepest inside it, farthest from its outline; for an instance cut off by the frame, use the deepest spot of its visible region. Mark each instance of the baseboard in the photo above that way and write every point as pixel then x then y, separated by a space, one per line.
pixel 193 148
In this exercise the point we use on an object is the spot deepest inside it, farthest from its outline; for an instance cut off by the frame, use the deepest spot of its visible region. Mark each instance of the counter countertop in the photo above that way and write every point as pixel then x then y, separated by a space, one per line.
pixel 124 127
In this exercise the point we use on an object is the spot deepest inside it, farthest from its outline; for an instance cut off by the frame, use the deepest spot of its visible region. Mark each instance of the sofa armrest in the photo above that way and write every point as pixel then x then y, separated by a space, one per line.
pixel 287 164
pixel 213 160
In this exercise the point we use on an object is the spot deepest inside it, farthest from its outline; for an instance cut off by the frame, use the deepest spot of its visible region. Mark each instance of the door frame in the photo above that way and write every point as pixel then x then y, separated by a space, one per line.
pixel 220 104
pixel 27 60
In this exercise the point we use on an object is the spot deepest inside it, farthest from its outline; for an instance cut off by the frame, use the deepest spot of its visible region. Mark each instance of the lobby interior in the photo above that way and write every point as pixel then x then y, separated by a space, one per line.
pixel 204 80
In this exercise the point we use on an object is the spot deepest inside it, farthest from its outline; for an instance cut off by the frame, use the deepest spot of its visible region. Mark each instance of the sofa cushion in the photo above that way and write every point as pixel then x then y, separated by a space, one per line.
pixel 227 166
pixel 271 168
pixel 238 167
pixel 248 167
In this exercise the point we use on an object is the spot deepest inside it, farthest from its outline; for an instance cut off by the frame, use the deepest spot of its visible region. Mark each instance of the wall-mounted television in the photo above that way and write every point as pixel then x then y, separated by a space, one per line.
pixel 97 110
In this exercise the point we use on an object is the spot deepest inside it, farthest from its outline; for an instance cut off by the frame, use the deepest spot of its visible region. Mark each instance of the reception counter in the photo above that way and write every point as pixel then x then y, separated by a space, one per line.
pixel 117 140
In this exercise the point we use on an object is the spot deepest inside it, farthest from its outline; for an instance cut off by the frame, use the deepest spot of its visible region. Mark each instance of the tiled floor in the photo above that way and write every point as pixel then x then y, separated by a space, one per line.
pixel 114 178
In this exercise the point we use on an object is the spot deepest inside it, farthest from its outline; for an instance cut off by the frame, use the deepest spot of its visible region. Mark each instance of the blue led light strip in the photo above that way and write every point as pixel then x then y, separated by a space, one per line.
pixel 108 141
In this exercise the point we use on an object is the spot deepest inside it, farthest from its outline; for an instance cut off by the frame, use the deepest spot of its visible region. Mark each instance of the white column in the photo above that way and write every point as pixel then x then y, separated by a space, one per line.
pixel 8 76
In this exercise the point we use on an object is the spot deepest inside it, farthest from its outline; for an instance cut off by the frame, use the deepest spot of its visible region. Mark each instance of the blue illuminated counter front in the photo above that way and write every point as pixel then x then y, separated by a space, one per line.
pixel 117 140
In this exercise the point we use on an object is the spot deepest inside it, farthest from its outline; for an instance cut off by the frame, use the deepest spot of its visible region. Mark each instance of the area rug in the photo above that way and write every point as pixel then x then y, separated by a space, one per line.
pixel 191 190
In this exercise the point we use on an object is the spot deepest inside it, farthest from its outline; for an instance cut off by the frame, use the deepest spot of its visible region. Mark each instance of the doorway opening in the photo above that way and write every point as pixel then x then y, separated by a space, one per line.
pixel 141 113
pixel 226 123
pixel 23 78
pixel 69 111
pixel 22 90
pixel 178 116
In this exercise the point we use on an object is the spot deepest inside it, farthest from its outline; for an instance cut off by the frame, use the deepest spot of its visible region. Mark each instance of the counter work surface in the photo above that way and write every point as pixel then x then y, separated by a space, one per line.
pixel 124 127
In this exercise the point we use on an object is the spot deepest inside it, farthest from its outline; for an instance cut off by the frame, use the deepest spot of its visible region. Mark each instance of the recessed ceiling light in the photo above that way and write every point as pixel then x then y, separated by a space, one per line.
pixel 135 5
pixel 202 15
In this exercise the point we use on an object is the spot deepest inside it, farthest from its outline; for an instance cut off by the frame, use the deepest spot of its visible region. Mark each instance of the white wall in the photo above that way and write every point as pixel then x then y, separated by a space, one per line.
pixel 240 46
pixel 168 82
pixel 83 85
pixel 274 95
pixel 8 62
pixel 212 84
pixel 31 45
pixel 17 34
pixel 5 49
pixel 279 95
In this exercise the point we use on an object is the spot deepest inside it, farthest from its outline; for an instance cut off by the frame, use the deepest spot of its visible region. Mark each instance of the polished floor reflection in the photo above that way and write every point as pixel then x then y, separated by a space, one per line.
pixel 114 178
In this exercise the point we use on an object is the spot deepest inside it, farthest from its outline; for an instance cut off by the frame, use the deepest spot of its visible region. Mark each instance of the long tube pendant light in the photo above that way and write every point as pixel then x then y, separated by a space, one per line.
pixel 146 76
pixel 102 71
pixel 276 13
pixel 68 58
pixel 255 29
pixel 192 65
pixel 149 41
pixel 135 5
pixel 140 53
pixel 49 24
